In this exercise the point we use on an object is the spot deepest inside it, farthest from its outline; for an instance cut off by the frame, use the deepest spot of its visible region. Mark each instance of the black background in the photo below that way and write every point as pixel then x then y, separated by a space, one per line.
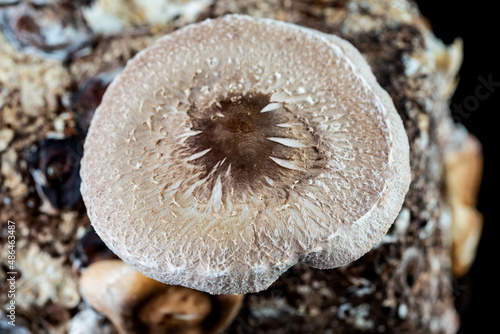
pixel 478 24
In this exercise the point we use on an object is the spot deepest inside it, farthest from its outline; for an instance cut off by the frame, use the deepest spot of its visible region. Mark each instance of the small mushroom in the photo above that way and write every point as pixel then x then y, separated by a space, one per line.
pixel 55 165
pixel 233 148
pixel 135 303
pixel 463 168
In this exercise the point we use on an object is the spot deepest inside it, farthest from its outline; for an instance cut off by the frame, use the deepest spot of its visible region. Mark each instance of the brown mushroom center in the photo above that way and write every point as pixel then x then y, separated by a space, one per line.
pixel 251 141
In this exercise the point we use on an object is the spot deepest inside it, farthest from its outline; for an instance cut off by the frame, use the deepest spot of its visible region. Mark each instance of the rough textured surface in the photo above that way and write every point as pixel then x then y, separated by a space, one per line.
pixel 235 164
pixel 402 286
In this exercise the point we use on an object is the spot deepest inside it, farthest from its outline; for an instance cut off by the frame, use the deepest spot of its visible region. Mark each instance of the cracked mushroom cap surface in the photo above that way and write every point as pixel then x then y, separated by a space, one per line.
pixel 233 148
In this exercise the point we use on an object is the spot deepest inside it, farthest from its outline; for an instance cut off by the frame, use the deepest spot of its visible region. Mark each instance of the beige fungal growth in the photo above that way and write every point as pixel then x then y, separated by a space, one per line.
pixel 234 148
pixel 135 303
pixel 463 168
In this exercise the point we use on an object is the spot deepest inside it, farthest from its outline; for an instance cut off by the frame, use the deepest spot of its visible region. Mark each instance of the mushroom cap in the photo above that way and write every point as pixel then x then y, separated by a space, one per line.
pixel 233 148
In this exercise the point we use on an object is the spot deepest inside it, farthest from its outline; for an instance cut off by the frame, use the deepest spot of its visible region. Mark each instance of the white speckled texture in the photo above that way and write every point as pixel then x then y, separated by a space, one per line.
pixel 330 197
